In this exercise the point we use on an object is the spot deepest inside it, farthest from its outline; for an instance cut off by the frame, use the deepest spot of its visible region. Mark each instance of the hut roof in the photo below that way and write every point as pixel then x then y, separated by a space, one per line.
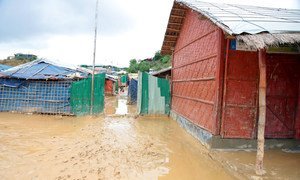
pixel 4 67
pixel 45 69
pixel 168 69
pixel 246 23
pixel 111 77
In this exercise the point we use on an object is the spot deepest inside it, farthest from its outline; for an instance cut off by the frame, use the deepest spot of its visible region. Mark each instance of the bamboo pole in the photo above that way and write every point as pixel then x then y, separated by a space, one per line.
pixel 94 59
pixel 262 112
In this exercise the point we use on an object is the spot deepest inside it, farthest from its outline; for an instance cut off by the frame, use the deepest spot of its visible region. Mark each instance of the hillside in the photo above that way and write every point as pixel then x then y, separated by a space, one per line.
pixel 14 62
pixel 156 63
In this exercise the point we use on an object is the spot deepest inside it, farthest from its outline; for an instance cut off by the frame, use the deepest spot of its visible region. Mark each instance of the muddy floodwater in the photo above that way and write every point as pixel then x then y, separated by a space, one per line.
pixel 104 147
pixel 121 145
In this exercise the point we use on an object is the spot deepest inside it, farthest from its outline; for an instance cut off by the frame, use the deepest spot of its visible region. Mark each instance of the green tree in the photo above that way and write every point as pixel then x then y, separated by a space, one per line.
pixel 144 66
pixel 165 59
pixel 157 56
pixel 133 66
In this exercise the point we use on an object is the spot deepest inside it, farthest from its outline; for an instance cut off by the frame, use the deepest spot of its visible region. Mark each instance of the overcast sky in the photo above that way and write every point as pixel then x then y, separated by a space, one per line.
pixel 63 29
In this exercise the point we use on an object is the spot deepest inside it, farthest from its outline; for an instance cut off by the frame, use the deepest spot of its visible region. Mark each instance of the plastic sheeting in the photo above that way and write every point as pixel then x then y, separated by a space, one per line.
pixel 43 69
pixel 4 67
pixel 132 91
pixel 123 80
pixel 81 95
pixel 11 82
pixel 153 95
pixel 51 97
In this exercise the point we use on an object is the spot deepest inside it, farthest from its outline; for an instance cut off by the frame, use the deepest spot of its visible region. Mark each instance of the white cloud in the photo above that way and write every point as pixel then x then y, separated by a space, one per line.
pixel 63 29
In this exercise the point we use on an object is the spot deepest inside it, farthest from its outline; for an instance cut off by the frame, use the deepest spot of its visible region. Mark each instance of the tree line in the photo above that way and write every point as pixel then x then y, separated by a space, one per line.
pixel 157 62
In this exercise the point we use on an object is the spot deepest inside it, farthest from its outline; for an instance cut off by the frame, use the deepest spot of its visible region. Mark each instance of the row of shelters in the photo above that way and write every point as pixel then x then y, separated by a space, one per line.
pixel 42 86
pixel 232 66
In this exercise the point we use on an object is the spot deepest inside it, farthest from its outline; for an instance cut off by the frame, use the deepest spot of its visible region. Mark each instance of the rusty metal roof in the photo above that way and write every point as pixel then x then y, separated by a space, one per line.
pixel 239 19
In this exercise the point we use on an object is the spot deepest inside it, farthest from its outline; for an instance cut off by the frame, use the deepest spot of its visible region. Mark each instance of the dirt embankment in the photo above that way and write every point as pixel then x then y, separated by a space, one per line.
pixel 14 62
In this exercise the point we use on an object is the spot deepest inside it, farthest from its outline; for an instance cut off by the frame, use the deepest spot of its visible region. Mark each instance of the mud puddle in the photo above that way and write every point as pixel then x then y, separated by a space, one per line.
pixel 117 105
pixel 54 147
pixel 278 164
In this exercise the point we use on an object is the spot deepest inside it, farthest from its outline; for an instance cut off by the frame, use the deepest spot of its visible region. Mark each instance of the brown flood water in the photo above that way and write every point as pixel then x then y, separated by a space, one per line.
pixel 116 147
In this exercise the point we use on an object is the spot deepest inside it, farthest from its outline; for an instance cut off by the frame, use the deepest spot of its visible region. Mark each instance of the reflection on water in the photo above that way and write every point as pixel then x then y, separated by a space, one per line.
pixel 122 107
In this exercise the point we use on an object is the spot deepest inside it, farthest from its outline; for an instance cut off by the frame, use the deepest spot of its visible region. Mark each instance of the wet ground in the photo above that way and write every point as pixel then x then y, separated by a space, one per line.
pixel 111 147
pixel 277 164
pixel 117 145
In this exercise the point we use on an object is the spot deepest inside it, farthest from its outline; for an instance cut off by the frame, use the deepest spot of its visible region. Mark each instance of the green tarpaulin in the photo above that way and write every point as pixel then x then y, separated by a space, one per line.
pixel 81 95
pixel 123 79
pixel 153 95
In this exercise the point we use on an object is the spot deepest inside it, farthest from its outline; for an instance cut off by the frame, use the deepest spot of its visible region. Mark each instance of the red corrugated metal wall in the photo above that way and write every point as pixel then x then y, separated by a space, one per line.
pixel 240 95
pixel 195 72
pixel 283 75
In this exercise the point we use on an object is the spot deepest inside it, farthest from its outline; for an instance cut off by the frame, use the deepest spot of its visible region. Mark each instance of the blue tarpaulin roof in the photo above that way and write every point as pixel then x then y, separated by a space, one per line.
pixel 44 69
pixel 4 67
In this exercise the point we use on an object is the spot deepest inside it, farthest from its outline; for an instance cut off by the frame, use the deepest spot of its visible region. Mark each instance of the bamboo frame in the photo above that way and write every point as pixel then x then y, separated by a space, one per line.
pixel 262 112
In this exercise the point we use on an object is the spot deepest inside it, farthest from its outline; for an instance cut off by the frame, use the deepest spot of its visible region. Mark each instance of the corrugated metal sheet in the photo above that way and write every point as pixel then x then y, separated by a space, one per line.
pixel 153 95
pixel 80 99
pixel 238 19
pixel 139 94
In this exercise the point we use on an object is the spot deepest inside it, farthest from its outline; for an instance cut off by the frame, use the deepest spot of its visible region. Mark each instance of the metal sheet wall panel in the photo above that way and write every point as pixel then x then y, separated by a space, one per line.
pixel 194 72
pixel 240 95
pixel 283 75
pixel 154 96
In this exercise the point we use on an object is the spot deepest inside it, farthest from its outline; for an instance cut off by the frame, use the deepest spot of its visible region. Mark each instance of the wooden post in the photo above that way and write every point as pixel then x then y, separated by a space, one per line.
pixel 171 80
pixel 262 112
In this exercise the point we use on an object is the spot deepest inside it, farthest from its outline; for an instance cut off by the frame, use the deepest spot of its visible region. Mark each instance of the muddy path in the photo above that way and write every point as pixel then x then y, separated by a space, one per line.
pixel 55 147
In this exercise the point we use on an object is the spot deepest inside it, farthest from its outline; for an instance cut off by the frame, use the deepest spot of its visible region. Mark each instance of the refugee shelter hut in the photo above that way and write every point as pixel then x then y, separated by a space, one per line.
pixel 153 95
pixel 216 74
pixel 40 86
pixel 163 73
pixel 110 85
